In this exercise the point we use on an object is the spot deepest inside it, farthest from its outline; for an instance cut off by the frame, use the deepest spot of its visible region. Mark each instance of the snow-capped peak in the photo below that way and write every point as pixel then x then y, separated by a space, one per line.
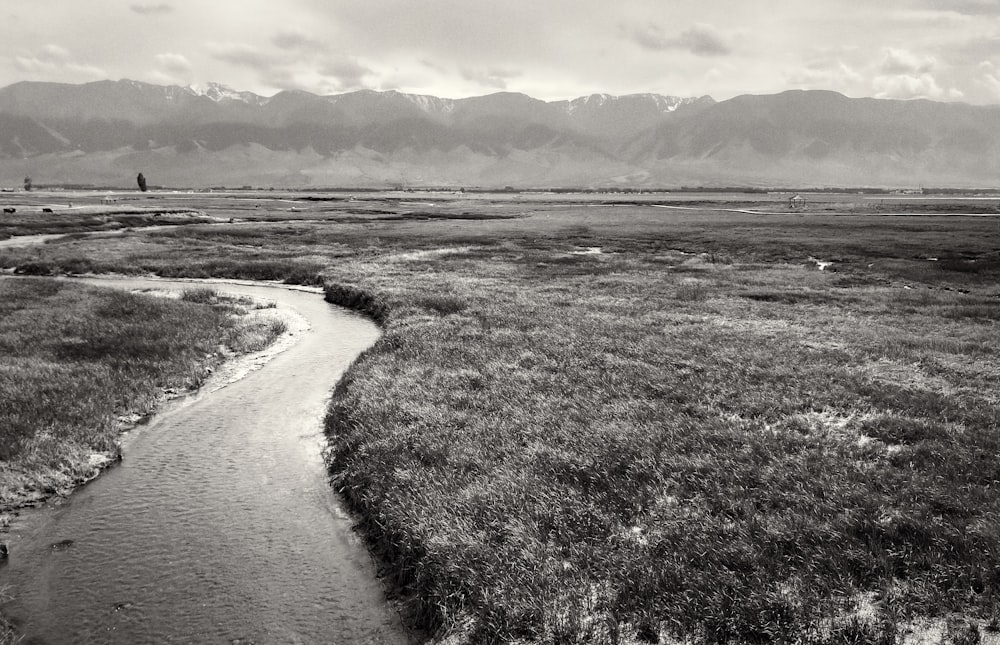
pixel 668 103
pixel 430 104
pixel 594 100
pixel 660 102
pixel 219 92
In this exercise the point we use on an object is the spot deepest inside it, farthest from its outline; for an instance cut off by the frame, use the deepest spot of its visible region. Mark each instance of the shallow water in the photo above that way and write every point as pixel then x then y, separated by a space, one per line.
pixel 219 526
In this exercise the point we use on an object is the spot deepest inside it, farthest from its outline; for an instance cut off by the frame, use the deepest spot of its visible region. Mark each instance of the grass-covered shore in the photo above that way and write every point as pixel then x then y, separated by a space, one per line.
pixel 654 446
pixel 693 434
pixel 79 363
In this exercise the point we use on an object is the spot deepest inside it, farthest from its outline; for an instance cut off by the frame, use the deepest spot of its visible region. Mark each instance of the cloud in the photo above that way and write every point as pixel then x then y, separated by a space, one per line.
pixel 294 40
pixel 970 50
pixel 55 61
pixel 832 75
pixel 902 74
pixel 564 47
pixel 33 64
pixel 174 63
pixel 965 7
pixel 151 9
pixel 492 77
pixel 704 40
pixel 297 62
pixel 699 39
pixel 907 86
pixel 54 54
pixel 346 71
pixel 651 37
pixel 903 62
pixel 989 78
pixel 283 79
pixel 431 65
pixel 243 55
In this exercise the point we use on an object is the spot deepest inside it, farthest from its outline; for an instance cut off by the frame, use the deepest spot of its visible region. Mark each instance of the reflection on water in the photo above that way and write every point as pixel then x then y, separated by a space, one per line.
pixel 219 526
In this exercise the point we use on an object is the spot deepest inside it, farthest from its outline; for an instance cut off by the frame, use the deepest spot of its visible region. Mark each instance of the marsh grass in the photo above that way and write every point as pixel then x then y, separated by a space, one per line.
pixel 696 436
pixel 443 304
pixel 75 360
pixel 575 455
pixel 666 455
pixel 289 272
pixel 202 295
pixel 70 222
pixel 254 332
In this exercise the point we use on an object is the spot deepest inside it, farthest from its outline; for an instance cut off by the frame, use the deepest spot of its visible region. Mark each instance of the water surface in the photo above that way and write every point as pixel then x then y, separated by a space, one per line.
pixel 219 526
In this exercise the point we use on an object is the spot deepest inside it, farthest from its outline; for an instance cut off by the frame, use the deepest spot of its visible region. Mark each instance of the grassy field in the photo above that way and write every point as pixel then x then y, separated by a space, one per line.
pixel 79 363
pixel 611 423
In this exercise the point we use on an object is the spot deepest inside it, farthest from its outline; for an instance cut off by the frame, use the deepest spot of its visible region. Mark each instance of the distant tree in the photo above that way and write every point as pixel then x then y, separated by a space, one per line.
pixel 27 183
pixel 142 182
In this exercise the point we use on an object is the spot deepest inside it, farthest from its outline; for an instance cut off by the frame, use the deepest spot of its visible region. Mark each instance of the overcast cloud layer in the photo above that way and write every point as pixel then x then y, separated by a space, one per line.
pixel 550 49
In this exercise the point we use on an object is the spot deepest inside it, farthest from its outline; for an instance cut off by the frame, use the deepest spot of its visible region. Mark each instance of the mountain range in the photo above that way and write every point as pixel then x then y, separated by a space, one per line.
pixel 106 132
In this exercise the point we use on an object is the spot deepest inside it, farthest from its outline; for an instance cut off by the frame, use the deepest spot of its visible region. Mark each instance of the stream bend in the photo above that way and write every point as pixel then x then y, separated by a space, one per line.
pixel 219 526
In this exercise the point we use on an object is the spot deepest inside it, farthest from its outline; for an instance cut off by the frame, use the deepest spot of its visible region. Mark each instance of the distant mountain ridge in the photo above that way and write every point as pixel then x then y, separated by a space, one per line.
pixel 107 131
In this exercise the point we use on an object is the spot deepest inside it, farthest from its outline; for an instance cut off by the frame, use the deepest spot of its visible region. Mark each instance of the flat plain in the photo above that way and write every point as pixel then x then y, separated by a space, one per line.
pixel 653 418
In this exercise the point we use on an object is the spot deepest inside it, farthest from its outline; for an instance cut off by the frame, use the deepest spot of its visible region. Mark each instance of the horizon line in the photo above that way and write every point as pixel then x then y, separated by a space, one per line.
pixel 197 87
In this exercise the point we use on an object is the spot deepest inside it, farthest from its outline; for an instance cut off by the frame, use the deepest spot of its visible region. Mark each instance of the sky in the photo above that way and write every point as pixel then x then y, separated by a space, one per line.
pixel 947 50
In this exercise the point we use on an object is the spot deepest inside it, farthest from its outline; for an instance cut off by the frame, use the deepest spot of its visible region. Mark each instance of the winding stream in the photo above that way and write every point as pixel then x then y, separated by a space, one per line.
pixel 219 526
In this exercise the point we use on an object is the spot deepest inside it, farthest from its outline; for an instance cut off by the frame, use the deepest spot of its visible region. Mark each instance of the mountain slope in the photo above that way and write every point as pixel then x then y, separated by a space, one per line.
pixel 817 137
pixel 105 132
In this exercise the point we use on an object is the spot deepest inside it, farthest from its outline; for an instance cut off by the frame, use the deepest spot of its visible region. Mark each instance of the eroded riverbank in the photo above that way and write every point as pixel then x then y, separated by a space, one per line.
pixel 219 525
